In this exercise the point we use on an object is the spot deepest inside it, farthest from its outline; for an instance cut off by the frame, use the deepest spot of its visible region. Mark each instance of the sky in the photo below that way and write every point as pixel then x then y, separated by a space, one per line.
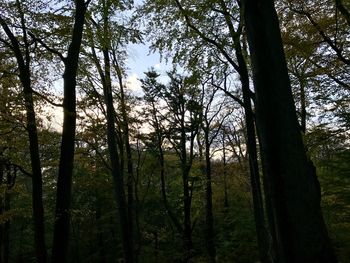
pixel 139 61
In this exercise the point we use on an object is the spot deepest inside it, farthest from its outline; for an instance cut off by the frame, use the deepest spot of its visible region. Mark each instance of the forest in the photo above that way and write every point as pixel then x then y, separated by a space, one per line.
pixel 236 150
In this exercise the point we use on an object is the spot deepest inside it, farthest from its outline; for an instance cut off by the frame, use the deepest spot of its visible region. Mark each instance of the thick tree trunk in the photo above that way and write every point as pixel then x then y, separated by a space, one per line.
pixel 65 170
pixel 295 195
pixel 259 215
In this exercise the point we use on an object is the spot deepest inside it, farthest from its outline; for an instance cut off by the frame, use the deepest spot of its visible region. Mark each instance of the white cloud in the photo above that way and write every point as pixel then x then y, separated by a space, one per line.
pixel 157 66
pixel 133 83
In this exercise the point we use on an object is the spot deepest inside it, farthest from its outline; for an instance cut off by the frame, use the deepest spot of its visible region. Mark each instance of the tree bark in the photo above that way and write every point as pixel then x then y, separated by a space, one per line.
pixel 115 159
pixel 209 218
pixel 259 215
pixel 116 173
pixel 126 140
pixel 161 161
pixel 185 168
pixel 65 170
pixel 302 105
pixel 226 204
pixel 25 78
pixel 301 233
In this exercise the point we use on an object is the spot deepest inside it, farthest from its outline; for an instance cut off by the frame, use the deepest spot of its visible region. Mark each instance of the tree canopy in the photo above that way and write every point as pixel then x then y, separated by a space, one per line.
pixel 238 152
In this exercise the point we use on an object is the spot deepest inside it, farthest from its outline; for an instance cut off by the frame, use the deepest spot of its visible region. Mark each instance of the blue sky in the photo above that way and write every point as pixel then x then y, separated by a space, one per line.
pixel 140 60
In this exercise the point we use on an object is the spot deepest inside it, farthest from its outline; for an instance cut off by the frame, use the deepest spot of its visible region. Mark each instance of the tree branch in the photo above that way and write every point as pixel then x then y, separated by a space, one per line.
pixel 52 50
pixel 326 38
pixel 205 38
pixel 47 99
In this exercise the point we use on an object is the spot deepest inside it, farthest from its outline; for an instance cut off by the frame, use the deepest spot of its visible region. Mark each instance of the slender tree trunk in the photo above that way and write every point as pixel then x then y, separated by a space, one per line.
pixel 117 176
pixel 264 245
pixel 24 75
pixel 209 201
pixel 159 135
pixel 301 233
pixel 187 227
pixel 6 231
pixel 224 170
pixel 37 191
pixel 138 234
pixel 302 105
pixel 65 170
pixel 10 176
pixel 126 137
pixel 116 159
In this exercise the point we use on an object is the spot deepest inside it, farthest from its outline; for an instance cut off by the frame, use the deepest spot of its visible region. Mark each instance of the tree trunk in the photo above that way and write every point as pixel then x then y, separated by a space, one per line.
pixel 24 76
pixel 167 207
pixel 259 215
pixel 6 231
pixel 302 105
pixel 224 170
pixel 6 206
pixel 65 170
pixel 187 227
pixel 37 191
pixel 117 176
pixel 209 200
pixel 295 195
pixel 126 140
pixel 116 159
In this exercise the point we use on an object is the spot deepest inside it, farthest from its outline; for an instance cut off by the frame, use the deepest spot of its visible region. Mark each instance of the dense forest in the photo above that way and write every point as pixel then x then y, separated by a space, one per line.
pixel 240 152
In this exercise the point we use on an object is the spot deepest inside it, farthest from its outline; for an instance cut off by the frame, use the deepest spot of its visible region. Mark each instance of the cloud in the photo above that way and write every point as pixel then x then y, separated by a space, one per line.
pixel 157 66
pixel 133 83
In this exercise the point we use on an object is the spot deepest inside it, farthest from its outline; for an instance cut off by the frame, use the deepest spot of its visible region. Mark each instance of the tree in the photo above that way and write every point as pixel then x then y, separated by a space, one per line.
pixel 318 58
pixel 213 117
pixel 216 29
pixel 151 88
pixel 294 192
pixel 182 117
pixel 65 170
pixel 23 58
pixel 114 153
